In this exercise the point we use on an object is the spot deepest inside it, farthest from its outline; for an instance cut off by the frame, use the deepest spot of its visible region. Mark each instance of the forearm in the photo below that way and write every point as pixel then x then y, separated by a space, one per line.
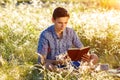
pixel 43 60
pixel 54 62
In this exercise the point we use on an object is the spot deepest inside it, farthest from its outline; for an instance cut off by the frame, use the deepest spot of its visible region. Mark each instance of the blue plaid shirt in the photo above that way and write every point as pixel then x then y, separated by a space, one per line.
pixel 49 44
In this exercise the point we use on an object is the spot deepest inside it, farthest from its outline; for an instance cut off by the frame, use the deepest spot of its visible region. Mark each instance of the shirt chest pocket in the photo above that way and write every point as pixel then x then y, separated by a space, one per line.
pixel 52 47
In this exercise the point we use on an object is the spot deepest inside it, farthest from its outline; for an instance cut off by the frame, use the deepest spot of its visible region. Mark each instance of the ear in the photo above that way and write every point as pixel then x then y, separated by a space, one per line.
pixel 53 20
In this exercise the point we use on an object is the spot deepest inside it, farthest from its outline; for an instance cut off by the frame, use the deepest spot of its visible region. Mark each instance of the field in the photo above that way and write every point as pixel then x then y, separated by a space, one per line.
pixel 98 26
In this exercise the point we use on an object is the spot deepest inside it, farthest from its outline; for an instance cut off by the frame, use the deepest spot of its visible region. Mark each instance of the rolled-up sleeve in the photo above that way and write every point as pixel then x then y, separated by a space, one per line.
pixel 42 45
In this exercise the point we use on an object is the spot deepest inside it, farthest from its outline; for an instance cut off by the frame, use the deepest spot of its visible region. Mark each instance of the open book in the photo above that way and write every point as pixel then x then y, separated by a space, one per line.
pixel 76 53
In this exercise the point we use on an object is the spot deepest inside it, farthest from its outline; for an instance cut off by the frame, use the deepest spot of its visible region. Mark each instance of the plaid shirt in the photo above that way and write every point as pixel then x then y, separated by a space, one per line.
pixel 49 44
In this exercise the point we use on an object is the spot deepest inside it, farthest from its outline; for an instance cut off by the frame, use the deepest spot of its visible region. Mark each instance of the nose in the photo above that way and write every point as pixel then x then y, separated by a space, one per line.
pixel 63 25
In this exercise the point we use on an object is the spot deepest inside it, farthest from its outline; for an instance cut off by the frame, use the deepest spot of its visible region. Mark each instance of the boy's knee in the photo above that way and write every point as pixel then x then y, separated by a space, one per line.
pixel 94 58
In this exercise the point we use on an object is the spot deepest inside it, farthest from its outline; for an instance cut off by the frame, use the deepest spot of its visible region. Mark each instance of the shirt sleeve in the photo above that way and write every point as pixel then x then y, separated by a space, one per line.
pixel 42 45
pixel 76 41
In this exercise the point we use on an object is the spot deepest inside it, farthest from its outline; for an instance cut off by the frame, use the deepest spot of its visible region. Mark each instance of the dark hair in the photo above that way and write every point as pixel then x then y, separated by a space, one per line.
pixel 60 12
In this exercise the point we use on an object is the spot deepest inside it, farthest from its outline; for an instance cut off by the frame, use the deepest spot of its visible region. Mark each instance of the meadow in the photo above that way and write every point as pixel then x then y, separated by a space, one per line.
pixel 21 25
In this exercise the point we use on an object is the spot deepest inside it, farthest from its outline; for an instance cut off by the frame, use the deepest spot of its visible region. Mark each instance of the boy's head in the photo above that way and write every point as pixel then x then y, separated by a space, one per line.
pixel 60 19
pixel 60 12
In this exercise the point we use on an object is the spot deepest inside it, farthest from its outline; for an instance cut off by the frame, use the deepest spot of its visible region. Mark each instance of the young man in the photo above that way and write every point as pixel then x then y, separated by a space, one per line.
pixel 57 38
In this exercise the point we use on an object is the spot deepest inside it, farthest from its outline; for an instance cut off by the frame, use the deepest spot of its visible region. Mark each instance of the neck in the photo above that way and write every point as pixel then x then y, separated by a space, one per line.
pixel 59 33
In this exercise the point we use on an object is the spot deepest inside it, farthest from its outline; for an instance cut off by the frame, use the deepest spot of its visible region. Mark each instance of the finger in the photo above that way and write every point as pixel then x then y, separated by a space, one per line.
pixel 86 56
pixel 85 59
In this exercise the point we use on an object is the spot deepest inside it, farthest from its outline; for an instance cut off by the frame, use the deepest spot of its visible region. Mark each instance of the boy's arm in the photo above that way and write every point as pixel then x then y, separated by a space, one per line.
pixel 76 40
pixel 44 60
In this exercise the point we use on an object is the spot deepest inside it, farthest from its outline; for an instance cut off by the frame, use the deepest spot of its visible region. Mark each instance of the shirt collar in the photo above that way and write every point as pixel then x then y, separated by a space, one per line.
pixel 54 33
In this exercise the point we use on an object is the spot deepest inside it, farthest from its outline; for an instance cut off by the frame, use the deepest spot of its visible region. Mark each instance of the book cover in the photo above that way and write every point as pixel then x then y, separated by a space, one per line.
pixel 76 53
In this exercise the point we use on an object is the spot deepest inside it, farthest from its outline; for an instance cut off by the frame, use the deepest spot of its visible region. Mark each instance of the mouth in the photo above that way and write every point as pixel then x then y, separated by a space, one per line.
pixel 62 28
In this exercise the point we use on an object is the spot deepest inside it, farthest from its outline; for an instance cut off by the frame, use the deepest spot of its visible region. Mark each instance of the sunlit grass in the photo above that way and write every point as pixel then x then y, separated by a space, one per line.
pixel 21 25
pixel 110 4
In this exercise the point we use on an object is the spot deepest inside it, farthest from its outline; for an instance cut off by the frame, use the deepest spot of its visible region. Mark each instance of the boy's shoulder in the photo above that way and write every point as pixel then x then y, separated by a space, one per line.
pixel 69 30
pixel 47 31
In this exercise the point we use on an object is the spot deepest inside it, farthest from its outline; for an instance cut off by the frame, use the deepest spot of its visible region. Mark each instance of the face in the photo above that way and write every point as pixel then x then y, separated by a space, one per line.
pixel 60 23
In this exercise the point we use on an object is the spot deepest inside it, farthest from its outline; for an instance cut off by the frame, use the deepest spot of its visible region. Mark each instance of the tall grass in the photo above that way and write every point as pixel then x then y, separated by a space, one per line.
pixel 21 25
pixel 110 4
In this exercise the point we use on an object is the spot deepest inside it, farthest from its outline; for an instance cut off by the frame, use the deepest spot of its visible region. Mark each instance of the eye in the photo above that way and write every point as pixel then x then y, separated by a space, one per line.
pixel 60 22
pixel 65 22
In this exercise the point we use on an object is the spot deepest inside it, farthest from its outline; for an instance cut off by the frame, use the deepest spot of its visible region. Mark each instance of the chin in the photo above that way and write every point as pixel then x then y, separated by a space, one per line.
pixel 61 30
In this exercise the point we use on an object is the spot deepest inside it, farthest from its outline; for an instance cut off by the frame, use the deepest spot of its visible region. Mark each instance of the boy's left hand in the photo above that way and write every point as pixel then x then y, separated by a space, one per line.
pixel 86 58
